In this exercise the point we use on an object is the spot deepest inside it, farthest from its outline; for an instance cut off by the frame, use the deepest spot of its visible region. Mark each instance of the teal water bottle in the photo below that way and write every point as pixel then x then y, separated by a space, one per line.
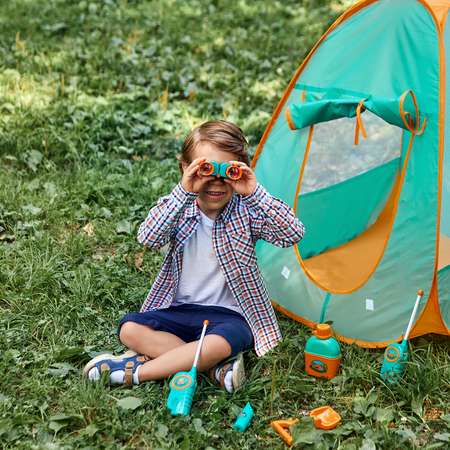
pixel 322 353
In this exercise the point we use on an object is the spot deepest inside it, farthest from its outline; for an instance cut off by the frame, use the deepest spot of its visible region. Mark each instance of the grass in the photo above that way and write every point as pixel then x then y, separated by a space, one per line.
pixel 96 97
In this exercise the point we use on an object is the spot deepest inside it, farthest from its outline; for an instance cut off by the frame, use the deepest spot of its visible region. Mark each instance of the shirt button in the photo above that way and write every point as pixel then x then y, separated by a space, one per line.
pixel 272 212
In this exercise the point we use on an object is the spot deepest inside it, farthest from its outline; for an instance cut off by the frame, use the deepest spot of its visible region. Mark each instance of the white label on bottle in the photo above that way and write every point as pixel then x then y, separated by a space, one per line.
pixel 285 272
pixel 370 304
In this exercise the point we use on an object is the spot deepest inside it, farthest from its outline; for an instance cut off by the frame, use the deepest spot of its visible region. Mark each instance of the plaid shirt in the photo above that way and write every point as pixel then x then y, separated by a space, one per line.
pixel 241 223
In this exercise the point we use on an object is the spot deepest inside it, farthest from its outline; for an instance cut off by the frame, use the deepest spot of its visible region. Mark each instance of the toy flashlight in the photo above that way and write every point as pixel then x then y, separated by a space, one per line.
pixel 225 170
pixel 184 384
pixel 396 354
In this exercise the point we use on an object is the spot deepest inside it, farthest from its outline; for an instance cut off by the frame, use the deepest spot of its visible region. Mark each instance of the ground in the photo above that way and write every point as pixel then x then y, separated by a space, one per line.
pixel 96 97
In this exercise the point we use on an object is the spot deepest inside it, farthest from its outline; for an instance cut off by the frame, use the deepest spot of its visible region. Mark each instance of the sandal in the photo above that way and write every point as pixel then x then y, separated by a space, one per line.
pixel 220 373
pixel 106 362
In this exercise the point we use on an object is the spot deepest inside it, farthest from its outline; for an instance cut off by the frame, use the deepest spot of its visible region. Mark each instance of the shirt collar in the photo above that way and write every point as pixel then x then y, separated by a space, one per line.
pixel 193 210
pixel 225 215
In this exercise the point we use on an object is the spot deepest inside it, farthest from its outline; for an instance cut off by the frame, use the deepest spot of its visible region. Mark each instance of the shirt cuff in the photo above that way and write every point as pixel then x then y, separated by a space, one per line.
pixel 258 198
pixel 180 196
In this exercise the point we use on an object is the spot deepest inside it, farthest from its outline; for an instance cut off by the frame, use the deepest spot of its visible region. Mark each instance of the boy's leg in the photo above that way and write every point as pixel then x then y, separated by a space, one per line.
pixel 146 341
pixel 215 348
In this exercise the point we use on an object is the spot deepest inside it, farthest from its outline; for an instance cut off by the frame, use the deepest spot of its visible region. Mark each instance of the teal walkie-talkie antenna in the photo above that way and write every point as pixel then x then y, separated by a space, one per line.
pixel 184 384
pixel 396 354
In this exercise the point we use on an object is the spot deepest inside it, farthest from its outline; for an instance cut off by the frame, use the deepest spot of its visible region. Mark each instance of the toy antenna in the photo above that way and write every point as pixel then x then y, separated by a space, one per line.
pixel 200 343
pixel 413 315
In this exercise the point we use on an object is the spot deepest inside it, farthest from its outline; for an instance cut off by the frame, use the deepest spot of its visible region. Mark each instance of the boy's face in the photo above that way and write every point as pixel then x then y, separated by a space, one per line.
pixel 215 193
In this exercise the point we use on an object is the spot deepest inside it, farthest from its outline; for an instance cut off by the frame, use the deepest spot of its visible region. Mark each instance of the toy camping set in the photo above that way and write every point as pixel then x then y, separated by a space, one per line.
pixel 359 146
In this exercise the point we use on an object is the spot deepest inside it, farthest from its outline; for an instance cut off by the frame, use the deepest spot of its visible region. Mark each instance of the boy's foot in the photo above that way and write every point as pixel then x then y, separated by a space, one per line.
pixel 122 369
pixel 230 374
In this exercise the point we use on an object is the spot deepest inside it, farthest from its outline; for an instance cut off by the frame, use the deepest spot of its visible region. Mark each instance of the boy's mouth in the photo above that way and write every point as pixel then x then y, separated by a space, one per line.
pixel 215 194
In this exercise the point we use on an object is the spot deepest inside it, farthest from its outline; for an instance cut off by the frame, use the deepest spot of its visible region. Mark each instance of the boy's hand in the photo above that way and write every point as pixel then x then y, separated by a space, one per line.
pixel 246 185
pixel 191 181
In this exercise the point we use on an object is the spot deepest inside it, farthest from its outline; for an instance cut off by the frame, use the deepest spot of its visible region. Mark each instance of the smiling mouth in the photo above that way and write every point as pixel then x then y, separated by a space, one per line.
pixel 215 193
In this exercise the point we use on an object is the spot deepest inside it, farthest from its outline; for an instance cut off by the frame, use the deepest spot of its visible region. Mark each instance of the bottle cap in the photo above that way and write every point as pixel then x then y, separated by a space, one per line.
pixel 323 331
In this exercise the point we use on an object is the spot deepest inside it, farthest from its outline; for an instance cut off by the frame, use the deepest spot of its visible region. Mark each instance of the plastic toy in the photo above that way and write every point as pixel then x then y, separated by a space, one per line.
pixel 322 353
pixel 396 354
pixel 325 418
pixel 184 384
pixel 244 419
pixel 225 170
pixel 281 426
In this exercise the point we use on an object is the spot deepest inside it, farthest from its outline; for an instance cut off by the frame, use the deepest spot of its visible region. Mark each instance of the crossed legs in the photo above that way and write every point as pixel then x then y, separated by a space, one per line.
pixel 169 353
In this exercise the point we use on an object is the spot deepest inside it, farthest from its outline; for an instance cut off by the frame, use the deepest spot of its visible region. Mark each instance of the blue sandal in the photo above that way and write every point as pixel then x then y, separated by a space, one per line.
pixel 106 362
pixel 235 365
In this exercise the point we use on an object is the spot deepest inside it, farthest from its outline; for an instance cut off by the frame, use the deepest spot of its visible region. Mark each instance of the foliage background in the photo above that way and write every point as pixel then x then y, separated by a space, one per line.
pixel 95 98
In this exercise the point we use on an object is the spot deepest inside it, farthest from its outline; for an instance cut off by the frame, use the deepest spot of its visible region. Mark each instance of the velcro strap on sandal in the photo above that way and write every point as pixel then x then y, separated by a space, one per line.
pixel 223 372
pixel 128 377
pixel 143 358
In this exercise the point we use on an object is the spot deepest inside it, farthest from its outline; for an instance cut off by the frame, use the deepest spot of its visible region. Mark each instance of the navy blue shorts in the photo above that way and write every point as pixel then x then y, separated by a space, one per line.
pixel 186 322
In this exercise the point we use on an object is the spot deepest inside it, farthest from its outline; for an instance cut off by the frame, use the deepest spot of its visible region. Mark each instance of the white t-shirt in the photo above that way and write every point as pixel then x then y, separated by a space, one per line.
pixel 202 281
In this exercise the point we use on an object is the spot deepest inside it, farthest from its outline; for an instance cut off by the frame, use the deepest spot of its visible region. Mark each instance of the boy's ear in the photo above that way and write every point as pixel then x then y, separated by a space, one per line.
pixel 181 164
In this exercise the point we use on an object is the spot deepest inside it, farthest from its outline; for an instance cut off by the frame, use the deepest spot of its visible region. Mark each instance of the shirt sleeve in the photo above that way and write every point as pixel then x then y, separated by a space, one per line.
pixel 160 225
pixel 272 219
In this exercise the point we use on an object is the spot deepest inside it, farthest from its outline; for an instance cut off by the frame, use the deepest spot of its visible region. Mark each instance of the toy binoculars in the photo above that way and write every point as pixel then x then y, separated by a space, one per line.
pixel 225 170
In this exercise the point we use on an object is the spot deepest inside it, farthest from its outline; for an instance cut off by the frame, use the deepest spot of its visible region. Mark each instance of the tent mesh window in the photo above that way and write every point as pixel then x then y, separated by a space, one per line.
pixel 351 182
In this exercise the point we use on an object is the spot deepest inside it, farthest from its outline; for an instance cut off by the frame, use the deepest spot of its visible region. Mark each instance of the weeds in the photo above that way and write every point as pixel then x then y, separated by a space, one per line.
pixel 96 97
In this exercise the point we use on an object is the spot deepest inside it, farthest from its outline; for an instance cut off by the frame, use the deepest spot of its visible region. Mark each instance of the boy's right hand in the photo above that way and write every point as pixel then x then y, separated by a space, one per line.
pixel 191 181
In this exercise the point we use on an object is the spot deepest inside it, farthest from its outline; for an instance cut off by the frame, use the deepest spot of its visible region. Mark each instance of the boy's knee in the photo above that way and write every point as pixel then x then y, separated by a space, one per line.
pixel 128 332
pixel 221 346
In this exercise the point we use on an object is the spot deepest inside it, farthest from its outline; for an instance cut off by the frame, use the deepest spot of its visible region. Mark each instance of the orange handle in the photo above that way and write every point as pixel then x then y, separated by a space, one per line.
pixel 281 426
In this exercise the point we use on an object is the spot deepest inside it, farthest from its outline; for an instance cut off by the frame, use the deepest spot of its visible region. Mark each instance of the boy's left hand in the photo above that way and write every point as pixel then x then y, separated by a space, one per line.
pixel 246 185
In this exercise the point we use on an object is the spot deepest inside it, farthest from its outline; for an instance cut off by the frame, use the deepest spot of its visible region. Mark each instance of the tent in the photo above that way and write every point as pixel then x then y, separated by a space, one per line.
pixel 359 146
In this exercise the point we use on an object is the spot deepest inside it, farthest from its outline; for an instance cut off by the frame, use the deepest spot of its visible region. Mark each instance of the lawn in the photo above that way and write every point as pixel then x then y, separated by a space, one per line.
pixel 96 98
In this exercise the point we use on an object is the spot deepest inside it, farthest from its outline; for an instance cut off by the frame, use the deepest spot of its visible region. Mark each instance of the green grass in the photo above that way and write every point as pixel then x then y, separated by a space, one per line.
pixel 96 97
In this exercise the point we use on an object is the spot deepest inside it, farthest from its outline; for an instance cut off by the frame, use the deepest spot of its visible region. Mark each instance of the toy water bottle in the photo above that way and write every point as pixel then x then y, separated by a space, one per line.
pixel 322 353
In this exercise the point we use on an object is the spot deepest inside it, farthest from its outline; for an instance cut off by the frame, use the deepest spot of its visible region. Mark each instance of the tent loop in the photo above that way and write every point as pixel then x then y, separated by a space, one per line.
pixel 359 127
pixel 411 125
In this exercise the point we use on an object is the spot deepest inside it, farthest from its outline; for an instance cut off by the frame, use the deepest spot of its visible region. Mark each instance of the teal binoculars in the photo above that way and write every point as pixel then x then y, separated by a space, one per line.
pixel 225 170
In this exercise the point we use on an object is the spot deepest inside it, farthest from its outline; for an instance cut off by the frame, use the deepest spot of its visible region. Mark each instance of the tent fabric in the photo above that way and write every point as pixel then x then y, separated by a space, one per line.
pixel 368 191
pixel 375 52
pixel 301 115
pixel 444 243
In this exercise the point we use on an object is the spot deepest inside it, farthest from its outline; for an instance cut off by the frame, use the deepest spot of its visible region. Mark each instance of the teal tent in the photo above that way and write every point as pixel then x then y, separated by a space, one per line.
pixel 359 146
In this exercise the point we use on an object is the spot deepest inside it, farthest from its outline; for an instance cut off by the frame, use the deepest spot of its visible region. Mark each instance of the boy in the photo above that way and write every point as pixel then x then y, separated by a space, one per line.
pixel 211 225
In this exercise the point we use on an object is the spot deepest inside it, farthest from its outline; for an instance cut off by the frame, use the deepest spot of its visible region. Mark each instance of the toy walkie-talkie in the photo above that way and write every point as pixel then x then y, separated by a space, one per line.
pixel 184 384
pixel 396 354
